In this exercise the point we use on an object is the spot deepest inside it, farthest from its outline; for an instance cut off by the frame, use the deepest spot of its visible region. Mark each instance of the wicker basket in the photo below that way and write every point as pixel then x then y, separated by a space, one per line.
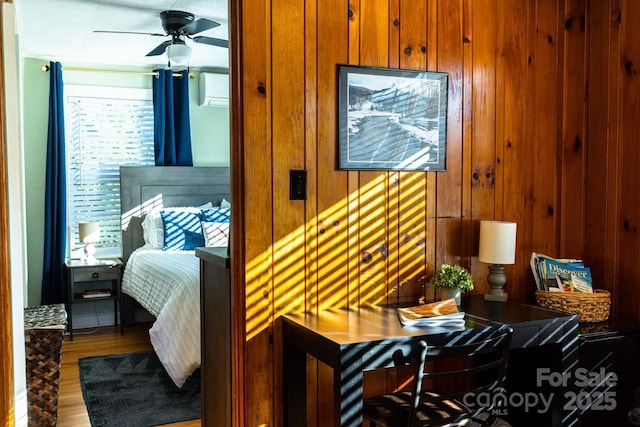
pixel 44 329
pixel 590 307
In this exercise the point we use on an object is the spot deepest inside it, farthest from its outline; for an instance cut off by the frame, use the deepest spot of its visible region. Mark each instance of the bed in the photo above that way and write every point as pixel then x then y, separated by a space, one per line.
pixel 162 274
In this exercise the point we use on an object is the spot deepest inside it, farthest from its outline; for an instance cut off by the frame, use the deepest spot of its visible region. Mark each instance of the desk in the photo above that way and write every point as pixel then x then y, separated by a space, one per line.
pixel 357 340
pixel 615 346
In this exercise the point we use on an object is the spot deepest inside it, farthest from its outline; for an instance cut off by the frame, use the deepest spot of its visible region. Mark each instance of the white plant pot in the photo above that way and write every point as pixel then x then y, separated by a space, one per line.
pixel 448 293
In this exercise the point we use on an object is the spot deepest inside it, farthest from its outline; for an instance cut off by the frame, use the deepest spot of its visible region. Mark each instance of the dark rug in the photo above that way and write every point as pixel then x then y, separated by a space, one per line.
pixel 134 390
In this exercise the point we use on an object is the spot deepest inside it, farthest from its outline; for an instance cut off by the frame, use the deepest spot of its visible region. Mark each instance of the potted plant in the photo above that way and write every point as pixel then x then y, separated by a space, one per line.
pixel 452 281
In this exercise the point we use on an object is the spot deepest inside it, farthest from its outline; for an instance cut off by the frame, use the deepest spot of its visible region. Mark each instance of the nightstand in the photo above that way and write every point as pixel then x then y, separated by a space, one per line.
pixel 95 281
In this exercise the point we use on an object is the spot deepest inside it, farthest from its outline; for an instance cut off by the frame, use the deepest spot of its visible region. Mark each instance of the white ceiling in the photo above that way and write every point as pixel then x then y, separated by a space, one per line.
pixel 62 30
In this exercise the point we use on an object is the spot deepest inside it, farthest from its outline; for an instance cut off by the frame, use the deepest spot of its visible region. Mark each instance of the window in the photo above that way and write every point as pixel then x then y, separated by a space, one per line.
pixel 105 128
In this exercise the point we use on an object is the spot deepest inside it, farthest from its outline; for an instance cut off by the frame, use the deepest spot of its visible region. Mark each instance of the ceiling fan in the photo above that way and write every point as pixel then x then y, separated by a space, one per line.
pixel 179 25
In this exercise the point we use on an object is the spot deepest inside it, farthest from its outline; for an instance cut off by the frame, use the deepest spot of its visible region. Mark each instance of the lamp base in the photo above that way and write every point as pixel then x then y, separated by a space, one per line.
pixel 496 280
pixel 89 253
pixel 498 297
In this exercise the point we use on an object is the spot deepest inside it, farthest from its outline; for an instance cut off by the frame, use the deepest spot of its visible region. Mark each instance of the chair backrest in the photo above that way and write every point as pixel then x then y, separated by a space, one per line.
pixel 475 361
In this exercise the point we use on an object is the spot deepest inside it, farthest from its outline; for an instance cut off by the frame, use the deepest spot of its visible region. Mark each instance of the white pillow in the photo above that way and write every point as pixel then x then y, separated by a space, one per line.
pixel 153 229
pixel 225 204
pixel 207 205
pixel 216 234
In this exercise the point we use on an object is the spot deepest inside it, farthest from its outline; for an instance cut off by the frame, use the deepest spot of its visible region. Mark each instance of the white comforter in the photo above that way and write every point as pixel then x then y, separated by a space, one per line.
pixel 167 284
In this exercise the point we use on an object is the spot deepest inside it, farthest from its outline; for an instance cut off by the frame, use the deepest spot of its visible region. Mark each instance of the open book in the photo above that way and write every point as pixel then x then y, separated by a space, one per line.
pixel 440 313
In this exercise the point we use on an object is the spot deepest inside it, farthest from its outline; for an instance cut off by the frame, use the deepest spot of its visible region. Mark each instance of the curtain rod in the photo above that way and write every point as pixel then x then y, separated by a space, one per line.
pixel 93 70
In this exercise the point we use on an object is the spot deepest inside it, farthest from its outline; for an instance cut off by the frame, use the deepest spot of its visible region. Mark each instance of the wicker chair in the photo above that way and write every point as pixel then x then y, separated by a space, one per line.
pixel 479 362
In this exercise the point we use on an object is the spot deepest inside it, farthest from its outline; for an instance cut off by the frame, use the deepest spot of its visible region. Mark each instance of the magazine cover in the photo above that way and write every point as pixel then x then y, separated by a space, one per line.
pixel 537 264
pixel 558 274
pixel 582 282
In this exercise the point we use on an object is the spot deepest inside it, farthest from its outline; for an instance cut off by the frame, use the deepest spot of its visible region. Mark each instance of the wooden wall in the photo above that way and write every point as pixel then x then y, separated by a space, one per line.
pixel 611 208
pixel 543 124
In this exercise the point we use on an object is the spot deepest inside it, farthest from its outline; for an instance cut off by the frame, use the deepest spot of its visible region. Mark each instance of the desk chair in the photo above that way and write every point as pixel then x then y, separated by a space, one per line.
pixel 478 361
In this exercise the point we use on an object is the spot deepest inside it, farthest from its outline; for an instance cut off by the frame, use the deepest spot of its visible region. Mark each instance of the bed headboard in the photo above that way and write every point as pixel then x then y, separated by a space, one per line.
pixel 143 188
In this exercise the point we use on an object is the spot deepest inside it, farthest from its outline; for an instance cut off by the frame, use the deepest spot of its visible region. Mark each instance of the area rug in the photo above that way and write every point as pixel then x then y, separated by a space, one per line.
pixel 134 390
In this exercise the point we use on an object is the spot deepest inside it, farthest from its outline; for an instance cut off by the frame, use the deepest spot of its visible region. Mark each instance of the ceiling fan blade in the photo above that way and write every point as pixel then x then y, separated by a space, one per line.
pixel 198 26
pixel 211 41
pixel 129 32
pixel 159 50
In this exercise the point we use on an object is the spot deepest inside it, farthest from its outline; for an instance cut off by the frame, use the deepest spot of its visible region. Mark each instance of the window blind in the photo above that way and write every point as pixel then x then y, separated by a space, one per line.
pixel 103 134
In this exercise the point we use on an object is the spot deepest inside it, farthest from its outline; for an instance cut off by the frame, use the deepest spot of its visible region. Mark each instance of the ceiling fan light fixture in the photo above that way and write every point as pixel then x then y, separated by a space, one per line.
pixel 178 54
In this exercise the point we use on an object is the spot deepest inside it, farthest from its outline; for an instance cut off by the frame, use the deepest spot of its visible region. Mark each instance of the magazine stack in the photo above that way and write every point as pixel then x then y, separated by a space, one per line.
pixel 565 284
pixel 560 275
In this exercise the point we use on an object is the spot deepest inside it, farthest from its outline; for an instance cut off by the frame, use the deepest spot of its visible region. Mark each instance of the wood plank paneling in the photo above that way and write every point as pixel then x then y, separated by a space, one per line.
pixel 511 165
pixel 614 146
pixel 597 159
pixel 628 302
pixel 448 192
pixel 544 223
pixel 467 245
pixel 408 240
pixel 353 177
pixel 311 31
pixel 482 143
pixel 373 203
pixel 526 142
pixel 257 136
pixel 529 241
pixel 288 147
pixel 572 189
pixel 258 210
pixel 310 153
pixel 334 286
pixel 393 191
pixel 430 188
pixel 610 214
pixel 336 274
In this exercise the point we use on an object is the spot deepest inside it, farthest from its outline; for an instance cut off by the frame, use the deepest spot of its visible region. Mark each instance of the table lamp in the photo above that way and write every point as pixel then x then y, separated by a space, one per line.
pixel 89 233
pixel 497 247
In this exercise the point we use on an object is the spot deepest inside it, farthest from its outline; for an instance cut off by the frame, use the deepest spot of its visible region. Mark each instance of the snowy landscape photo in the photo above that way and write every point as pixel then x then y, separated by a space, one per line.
pixel 392 119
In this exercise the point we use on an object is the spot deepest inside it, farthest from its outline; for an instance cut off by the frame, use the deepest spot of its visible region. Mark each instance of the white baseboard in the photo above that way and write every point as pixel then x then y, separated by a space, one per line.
pixel 22 416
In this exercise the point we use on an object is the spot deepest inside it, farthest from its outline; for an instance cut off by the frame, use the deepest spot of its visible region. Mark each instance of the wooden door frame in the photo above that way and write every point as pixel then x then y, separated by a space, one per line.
pixel 238 311
pixel 7 407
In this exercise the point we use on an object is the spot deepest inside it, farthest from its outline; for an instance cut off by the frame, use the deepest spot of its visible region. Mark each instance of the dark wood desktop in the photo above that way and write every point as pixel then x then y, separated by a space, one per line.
pixel 357 340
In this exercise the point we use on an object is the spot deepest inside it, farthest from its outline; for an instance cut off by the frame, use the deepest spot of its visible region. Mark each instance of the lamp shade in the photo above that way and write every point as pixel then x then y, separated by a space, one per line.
pixel 89 232
pixel 178 53
pixel 497 242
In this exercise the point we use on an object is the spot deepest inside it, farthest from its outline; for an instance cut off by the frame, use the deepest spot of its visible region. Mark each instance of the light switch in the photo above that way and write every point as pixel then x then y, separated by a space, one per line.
pixel 297 184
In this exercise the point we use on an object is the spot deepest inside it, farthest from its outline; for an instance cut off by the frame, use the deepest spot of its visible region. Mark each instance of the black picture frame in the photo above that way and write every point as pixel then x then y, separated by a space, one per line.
pixel 391 119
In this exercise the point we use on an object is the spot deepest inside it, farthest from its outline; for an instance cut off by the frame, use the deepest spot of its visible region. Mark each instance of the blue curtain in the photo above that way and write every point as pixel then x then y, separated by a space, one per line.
pixel 55 203
pixel 172 129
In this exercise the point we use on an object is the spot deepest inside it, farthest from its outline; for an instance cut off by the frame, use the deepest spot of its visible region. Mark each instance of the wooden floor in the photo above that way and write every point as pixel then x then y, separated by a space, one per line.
pixel 72 411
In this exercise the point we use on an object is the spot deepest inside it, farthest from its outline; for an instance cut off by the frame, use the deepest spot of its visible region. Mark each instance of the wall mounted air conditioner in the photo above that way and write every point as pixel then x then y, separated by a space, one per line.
pixel 214 90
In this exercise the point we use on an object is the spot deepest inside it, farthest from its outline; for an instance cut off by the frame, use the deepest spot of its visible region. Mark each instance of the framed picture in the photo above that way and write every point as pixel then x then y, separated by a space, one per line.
pixel 391 119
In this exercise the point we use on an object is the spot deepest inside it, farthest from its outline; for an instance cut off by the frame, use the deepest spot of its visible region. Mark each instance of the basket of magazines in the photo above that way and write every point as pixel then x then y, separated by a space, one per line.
pixel 590 307
pixel 565 285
